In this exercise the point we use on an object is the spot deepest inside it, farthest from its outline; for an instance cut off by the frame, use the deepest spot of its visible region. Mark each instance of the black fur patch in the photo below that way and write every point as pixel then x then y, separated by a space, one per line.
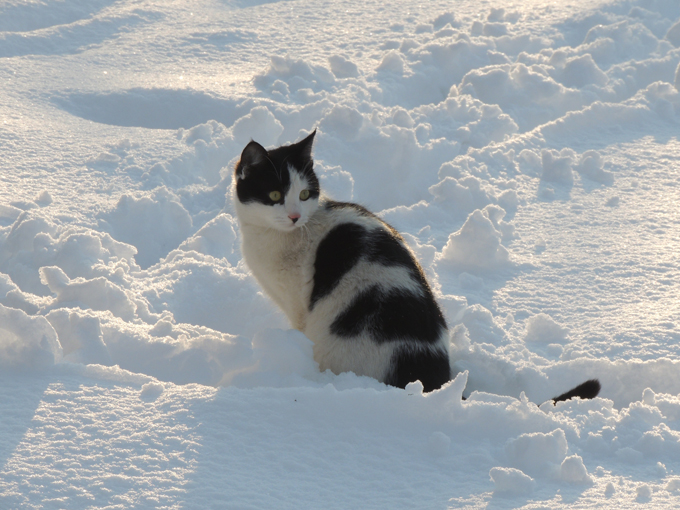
pixel 384 245
pixel 387 249
pixel 588 389
pixel 337 254
pixel 430 368
pixel 395 314
pixel 260 180
pixel 345 244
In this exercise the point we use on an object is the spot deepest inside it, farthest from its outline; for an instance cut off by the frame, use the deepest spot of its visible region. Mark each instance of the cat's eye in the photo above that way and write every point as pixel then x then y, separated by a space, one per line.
pixel 275 196
pixel 304 194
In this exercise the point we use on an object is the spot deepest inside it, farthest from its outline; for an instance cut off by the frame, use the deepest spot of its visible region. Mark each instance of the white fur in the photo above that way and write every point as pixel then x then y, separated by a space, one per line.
pixel 281 255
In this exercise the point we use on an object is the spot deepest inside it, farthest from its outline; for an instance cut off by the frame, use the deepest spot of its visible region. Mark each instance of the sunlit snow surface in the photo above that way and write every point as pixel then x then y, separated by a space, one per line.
pixel 529 153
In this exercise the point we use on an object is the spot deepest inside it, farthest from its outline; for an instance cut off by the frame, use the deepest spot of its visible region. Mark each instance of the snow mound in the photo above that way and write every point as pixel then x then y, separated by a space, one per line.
pixel 557 168
pixel 96 294
pixel 281 359
pixel 154 224
pixel 216 238
pixel 27 343
pixel 151 390
pixel 528 94
pixel 573 470
pixel 476 246
pixel 538 454
pixel 260 123
pixel 542 328
pixel 342 67
pixel 81 337
pixel 511 481
pixel 289 76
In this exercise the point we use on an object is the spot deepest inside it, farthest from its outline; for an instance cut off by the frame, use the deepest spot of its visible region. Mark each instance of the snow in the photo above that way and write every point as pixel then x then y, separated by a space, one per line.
pixel 528 153
pixel 511 481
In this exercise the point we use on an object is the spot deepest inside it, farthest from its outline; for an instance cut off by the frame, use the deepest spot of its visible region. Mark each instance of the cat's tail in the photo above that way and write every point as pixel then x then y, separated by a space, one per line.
pixel 588 389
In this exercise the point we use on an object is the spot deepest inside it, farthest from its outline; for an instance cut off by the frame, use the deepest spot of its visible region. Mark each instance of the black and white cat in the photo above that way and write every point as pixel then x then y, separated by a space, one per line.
pixel 342 276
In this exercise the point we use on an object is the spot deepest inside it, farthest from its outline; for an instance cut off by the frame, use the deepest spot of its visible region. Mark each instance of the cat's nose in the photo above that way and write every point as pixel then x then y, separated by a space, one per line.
pixel 294 217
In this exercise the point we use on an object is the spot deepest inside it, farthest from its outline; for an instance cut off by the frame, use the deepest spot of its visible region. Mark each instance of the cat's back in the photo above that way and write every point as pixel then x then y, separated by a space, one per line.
pixel 354 243
pixel 369 291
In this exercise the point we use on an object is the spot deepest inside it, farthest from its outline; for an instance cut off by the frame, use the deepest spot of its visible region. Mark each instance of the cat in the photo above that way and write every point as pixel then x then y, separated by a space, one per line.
pixel 342 276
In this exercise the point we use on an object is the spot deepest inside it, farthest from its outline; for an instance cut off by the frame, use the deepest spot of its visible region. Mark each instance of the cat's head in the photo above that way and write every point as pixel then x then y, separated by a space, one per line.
pixel 277 188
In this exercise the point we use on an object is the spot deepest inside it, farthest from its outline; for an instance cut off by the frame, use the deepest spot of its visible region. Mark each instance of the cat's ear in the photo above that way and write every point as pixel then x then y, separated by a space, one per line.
pixel 305 146
pixel 252 155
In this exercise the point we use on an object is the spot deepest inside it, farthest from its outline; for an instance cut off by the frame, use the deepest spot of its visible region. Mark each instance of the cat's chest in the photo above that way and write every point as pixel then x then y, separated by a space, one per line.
pixel 268 254
pixel 283 269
